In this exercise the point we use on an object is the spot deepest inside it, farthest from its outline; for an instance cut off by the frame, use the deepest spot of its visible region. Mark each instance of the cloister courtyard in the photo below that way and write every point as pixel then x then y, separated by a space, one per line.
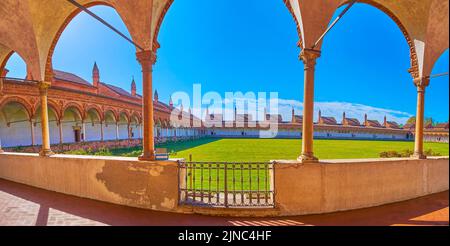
pixel 265 150
pixel 332 129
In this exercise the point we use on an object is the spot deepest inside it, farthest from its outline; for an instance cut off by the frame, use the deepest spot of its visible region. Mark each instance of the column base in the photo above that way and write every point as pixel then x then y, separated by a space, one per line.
pixel 46 153
pixel 308 158
pixel 419 156
pixel 149 157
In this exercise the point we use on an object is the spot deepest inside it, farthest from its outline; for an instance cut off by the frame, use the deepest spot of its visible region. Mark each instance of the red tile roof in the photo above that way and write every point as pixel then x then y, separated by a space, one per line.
pixel 373 123
pixel 352 122
pixel 328 121
pixel 69 77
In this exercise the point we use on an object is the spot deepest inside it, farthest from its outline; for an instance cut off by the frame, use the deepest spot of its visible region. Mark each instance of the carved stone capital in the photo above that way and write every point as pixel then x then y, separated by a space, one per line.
pixel 146 58
pixel 43 87
pixel 421 83
pixel 309 57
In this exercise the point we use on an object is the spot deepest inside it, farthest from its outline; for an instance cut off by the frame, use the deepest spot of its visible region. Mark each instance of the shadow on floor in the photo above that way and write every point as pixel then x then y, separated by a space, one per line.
pixel 430 210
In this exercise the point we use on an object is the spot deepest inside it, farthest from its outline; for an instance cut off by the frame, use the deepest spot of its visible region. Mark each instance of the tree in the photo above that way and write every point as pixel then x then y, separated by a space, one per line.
pixel 428 120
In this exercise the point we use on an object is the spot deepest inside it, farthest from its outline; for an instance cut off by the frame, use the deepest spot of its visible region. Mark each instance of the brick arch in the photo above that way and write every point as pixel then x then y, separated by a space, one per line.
pixel 96 109
pixel 414 70
pixel 112 111
pixel 74 105
pixel 137 117
pixel 127 115
pixel 21 101
pixel 7 57
pixel 52 105
pixel 158 25
pixel 70 17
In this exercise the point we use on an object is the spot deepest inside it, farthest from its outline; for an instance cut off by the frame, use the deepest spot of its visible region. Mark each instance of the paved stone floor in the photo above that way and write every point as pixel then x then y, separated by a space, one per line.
pixel 25 205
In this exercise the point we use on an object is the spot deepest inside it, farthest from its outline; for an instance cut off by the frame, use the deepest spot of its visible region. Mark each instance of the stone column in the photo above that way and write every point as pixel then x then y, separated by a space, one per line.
pixel 421 84
pixel 129 131
pixel 32 132
pixel 117 130
pixel 308 57
pixel 60 132
pixel 147 59
pixel 43 90
pixel 101 131
pixel 83 130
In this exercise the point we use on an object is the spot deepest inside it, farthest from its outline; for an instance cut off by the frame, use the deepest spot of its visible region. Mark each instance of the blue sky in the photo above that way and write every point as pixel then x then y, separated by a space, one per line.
pixel 363 67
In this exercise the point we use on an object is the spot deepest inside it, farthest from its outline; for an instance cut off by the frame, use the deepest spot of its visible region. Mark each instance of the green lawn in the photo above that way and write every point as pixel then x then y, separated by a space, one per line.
pixel 252 150
pixel 209 177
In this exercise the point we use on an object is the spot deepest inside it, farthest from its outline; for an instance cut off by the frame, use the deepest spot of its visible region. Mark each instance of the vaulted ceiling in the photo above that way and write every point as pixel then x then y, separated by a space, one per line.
pixel 32 27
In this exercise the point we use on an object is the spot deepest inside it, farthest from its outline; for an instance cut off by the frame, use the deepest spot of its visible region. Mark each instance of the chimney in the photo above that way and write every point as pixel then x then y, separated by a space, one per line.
pixel 191 118
pixel 133 88
pixel 385 121
pixel 344 119
pixel 293 115
pixel 156 97
pixel 366 123
pixel 171 103
pixel 265 114
pixel 95 75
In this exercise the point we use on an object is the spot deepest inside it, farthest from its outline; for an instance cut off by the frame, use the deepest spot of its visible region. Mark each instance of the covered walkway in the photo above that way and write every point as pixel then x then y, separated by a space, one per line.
pixel 27 206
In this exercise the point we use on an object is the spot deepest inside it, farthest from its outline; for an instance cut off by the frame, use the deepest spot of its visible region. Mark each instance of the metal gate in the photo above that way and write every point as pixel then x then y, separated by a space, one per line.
pixel 227 184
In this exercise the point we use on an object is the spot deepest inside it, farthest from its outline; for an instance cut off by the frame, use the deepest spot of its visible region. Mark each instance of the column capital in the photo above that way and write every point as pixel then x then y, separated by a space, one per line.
pixel 146 58
pixel 43 87
pixel 421 83
pixel 309 56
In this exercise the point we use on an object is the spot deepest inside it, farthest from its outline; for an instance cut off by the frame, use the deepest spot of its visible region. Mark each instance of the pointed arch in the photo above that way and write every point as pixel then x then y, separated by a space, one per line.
pixel 19 100
pixel 78 109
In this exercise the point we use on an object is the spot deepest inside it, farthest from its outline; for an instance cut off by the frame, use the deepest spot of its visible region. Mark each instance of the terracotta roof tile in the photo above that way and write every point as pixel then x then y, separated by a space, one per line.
pixel 69 77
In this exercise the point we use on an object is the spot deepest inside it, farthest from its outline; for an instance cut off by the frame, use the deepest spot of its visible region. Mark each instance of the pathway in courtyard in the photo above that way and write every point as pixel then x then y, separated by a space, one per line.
pixel 25 205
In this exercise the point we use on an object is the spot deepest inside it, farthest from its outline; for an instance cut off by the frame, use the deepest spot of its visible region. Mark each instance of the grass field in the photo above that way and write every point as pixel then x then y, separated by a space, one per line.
pixel 209 177
pixel 252 150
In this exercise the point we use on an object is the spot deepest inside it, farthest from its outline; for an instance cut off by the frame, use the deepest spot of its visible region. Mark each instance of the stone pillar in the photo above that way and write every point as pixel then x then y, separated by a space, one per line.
pixel 32 133
pixel 129 131
pixel 308 57
pixel 421 84
pixel 101 131
pixel 147 59
pixel 43 90
pixel 83 130
pixel 60 132
pixel 117 130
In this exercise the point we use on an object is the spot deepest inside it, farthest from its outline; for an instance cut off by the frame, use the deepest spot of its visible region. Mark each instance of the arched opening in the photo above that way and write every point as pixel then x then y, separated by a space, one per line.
pixel 123 126
pixel 93 125
pixel 15 67
pixel 437 96
pixel 234 53
pixel 53 123
pixel 15 126
pixel 110 127
pixel 135 127
pixel 82 33
pixel 359 74
pixel 72 125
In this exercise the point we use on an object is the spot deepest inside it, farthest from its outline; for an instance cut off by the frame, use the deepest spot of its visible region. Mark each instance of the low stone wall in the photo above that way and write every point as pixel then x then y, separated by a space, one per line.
pixel 124 181
pixel 341 185
pixel 299 188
